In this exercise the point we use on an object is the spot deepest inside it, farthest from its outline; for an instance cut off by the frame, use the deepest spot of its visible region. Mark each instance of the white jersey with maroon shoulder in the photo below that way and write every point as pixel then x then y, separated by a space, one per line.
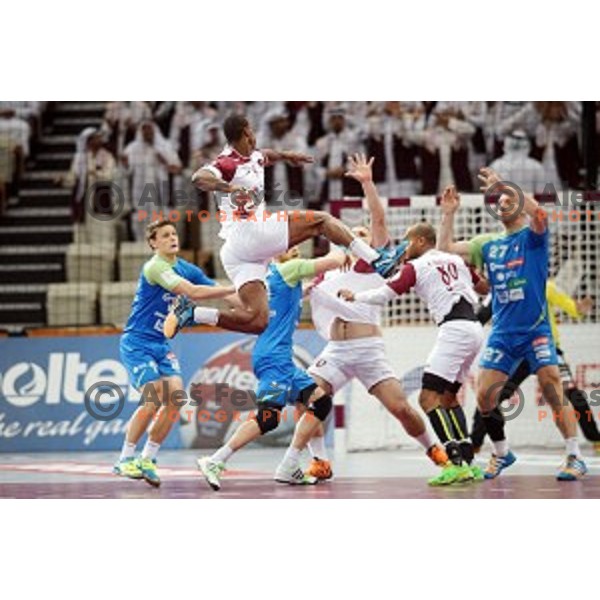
pixel 440 279
pixel 245 171
pixel 326 306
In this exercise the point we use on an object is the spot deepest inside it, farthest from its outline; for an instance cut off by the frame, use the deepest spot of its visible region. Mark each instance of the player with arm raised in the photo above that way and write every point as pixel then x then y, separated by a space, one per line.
pixel 448 288
pixel 280 381
pixel 516 260
pixel 153 368
pixel 253 236
pixel 355 348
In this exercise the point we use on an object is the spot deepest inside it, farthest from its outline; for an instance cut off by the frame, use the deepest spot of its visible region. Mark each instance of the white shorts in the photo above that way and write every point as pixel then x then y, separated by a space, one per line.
pixel 457 345
pixel 250 246
pixel 363 359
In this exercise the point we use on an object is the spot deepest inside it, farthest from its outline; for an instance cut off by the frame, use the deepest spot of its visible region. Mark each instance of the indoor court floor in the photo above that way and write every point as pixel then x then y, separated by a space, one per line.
pixel 385 474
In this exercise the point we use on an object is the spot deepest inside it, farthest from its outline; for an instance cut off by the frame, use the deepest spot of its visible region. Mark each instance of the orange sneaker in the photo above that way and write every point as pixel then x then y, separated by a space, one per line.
pixel 321 469
pixel 438 455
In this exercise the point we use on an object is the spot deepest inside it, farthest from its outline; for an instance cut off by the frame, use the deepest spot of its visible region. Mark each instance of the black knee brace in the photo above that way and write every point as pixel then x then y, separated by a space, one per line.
pixel 267 417
pixel 454 387
pixel 322 407
pixel 435 383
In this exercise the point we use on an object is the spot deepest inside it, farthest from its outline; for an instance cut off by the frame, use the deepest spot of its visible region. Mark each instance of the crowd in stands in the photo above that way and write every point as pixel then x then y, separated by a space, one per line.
pixel 20 124
pixel 419 147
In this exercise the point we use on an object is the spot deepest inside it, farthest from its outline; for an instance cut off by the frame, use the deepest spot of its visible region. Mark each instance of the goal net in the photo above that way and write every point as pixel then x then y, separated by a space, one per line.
pixel 410 334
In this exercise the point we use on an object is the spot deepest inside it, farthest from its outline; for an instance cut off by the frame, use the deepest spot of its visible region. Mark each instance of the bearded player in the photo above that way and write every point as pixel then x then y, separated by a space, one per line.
pixel 448 288
pixel 516 262
pixel 355 347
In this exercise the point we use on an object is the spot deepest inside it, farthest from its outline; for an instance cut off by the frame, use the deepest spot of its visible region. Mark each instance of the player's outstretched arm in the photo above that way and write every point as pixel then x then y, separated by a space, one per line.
pixel 450 203
pixel 296 159
pixel 335 259
pixel 490 179
pixel 362 171
pixel 396 286
pixel 197 293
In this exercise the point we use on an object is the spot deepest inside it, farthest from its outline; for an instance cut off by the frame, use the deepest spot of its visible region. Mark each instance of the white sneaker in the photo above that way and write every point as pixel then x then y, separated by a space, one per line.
pixel 212 472
pixel 293 475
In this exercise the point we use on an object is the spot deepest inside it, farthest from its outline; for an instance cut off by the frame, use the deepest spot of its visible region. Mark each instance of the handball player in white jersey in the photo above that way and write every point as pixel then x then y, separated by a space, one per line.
pixel 447 287
pixel 355 347
pixel 253 237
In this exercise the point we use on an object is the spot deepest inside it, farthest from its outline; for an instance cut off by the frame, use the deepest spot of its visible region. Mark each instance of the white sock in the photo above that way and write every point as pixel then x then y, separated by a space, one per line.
pixel 424 440
pixel 150 450
pixel 222 455
pixel 316 447
pixel 573 447
pixel 206 315
pixel 291 456
pixel 127 451
pixel 361 249
pixel 500 448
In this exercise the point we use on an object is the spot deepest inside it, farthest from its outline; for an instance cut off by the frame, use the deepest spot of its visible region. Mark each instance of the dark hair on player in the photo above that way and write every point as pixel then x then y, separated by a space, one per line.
pixel 152 229
pixel 234 127
pixel 424 230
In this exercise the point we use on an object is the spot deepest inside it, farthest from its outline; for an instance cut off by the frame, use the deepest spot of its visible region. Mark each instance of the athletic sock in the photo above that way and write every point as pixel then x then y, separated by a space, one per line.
pixel 150 450
pixel 127 451
pixel 500 448
pixel 222 455
pixel 291 456
pixel 573 447
pixel 316 447
pixel 206 315
pixel 425 440
pixel 361 249
pixel 440 422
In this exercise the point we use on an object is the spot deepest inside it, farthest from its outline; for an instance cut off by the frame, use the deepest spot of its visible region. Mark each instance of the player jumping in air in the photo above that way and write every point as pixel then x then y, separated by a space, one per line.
pixel 516 262
pixel 153 368
pixel 253 236
pixel 446 285
pixel 557 299
pixel 280 381
pixel 355 347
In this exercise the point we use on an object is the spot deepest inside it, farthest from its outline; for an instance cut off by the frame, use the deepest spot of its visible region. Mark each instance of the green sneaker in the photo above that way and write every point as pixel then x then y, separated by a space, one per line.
pixel 477 473
pixel 128 467
pixel 148 468
pixel 212 472
pixel 449 474
pixel 464 474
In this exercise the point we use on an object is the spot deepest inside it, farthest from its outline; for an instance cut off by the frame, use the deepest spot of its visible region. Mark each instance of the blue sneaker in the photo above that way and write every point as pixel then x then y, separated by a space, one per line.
pixel 572 469
pixel 497 464
pixel 181 313
pixel 388 258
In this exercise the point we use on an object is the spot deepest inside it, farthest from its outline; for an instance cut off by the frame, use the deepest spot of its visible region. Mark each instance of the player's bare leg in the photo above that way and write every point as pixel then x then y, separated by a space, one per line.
pixel 253 316
pixel 490 384
pixel 390 393
pixel 320 465
pixel 566 421
pixel 128 465
pixel 264 420
pixel 306 224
